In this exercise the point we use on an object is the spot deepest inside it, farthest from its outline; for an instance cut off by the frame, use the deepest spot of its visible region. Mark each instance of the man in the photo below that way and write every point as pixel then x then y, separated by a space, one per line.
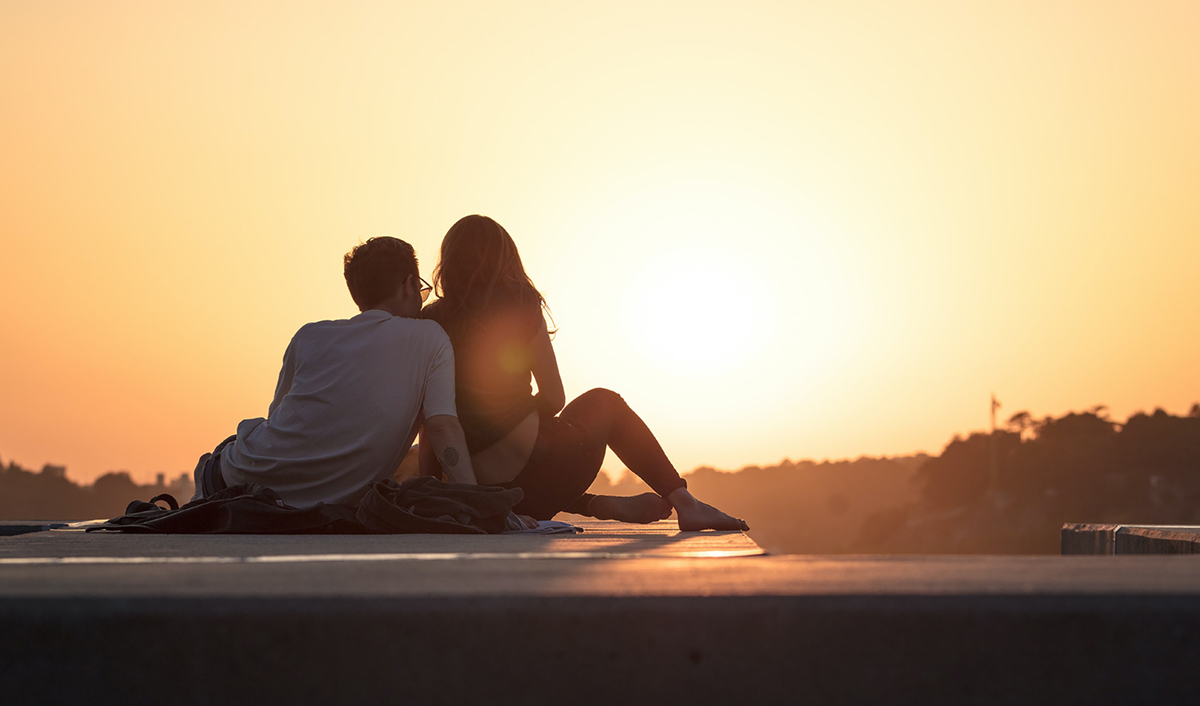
pixel 352 394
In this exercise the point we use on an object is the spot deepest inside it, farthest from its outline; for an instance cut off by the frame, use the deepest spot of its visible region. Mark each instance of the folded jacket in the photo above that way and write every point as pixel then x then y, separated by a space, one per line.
pixel 426 504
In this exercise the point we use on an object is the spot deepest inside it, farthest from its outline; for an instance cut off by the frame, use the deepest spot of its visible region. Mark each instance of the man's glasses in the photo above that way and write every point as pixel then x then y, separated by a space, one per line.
pixel 426 288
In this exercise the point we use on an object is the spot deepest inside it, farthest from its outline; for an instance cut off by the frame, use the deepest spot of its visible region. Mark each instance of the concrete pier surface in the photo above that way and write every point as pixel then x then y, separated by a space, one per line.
pixel 620 614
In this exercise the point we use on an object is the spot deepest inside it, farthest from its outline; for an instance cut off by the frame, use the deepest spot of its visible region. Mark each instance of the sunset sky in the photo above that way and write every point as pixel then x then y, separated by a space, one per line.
pixel 779 229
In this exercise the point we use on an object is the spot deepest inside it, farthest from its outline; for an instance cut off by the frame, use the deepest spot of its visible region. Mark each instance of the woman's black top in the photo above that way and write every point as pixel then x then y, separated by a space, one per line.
pixel 493 358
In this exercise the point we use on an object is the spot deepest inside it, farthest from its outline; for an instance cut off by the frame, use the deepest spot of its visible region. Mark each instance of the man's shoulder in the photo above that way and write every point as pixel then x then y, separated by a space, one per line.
pixel 403 329
pixel 374 323
pixel 338 323
pixel 312 326
pixel 320 329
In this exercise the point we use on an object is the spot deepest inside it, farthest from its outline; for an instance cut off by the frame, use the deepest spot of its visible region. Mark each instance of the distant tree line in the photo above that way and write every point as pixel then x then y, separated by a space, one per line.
pixel 1011 491
pixel 50 495
pixel 1008 492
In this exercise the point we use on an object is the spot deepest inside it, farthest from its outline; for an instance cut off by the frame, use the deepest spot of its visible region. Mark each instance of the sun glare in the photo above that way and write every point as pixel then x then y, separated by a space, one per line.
pixel 722 276
pixel 692 318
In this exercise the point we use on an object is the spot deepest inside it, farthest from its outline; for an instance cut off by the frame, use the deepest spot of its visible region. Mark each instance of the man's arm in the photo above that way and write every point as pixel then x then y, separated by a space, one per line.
pixel 426 461
pixel 442 432
pixel 445 439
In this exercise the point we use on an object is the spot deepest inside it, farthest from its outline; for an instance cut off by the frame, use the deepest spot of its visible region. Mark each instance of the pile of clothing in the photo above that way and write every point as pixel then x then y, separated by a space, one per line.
pixel 419 505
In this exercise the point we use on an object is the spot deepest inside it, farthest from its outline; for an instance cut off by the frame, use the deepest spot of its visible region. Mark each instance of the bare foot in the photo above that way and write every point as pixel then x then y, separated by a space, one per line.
pixel 695 515
pixel 642 509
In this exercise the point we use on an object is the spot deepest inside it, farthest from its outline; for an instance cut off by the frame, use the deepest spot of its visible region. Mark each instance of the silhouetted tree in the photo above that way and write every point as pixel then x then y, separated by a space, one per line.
pixel 1082 467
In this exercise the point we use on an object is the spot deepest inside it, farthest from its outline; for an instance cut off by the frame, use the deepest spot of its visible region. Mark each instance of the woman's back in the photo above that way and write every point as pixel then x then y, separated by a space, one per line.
pixel 493 360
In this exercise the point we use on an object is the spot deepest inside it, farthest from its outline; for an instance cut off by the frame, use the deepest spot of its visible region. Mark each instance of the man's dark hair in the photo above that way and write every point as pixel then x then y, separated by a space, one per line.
pixel 377 268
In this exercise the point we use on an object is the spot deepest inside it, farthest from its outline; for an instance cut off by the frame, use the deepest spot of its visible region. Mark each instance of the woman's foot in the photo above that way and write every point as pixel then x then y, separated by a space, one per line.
pixel 695 515
pixel 642 509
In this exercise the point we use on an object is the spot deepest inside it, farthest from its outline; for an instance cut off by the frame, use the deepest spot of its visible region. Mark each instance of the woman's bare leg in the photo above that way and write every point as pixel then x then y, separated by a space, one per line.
pixel 642 509
pixel 603 418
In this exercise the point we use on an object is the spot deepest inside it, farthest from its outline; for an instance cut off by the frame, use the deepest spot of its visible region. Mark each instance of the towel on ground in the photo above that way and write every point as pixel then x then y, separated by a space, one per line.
pixel 549 527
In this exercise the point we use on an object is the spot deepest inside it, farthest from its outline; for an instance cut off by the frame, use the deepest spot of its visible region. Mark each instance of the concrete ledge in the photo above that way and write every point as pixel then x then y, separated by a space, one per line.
pixel 1130 539
pixel 1080 538
pixel 603 650
pixel 11 528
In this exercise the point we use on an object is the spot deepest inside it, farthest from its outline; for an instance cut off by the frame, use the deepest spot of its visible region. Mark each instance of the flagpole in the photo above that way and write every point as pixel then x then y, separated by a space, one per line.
pixel 992 462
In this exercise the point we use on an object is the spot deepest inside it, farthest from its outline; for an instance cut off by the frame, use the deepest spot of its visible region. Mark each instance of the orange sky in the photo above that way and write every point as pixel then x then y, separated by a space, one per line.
pixel 815 229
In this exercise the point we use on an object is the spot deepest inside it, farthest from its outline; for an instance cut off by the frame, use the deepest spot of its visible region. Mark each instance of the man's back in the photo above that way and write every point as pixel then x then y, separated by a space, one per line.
pixel 346 408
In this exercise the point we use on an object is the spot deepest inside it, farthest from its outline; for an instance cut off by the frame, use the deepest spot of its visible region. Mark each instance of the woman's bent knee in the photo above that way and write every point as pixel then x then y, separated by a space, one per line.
pixel 602 396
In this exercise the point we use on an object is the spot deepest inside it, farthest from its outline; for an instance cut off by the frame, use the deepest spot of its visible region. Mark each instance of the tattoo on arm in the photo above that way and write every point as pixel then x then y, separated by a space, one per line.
pixel 450 456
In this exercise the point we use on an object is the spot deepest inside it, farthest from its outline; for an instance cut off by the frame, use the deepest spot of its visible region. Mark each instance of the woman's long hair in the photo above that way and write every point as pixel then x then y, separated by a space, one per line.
pixel 479 265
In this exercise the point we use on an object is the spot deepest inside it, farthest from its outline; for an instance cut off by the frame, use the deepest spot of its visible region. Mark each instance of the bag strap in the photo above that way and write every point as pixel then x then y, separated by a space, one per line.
pixel 170 500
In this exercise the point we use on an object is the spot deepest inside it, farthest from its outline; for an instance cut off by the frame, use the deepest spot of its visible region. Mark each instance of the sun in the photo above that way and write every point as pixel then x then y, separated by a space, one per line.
pixel 692 316
pixel 720 279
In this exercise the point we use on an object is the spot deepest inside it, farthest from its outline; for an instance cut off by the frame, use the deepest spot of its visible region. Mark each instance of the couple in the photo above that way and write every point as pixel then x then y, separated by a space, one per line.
pixel 353 394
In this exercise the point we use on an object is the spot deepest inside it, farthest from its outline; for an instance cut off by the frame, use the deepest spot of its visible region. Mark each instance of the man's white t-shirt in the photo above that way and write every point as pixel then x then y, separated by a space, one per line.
pixel 347 408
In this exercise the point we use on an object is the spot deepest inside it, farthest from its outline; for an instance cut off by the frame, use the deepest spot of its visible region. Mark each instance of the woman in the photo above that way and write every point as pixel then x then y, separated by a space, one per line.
pixel 493 315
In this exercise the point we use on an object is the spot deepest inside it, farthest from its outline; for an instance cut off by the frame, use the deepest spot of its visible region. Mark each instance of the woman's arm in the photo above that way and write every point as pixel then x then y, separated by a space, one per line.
pixel 550 396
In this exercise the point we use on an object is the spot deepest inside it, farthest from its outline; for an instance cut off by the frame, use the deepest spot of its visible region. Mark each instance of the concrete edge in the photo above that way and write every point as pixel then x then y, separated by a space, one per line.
pixel 1029 649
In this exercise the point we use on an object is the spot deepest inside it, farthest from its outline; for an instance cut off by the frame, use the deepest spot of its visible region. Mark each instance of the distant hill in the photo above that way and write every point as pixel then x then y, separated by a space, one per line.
pixel 799 508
